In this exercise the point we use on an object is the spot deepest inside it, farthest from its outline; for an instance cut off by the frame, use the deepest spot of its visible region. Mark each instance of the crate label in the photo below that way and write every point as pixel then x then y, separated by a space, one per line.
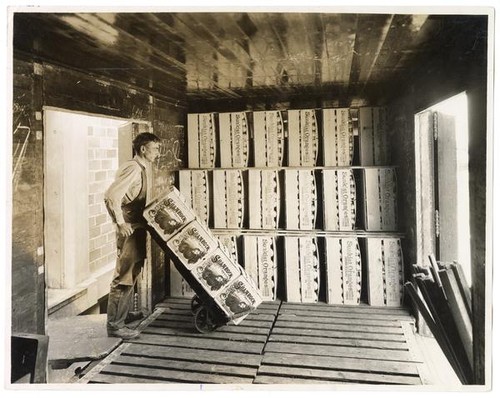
pixel 168 214
pixel 339 196
pixel 201 140
pixel 228 198
pixel 380 199
pixel 233 132
pixel 260 264
pixel 307 199
pixel 192 244
pixel 393 264
pixel 343 269
pixel 263 199
pixel 351 271
pixel 193 185
pixel 302 137
pixel 268 138
pixel 239 298
pixel 309 270
pixel 300 191
pixel 338 139
pixel 385 271
pixel 216 272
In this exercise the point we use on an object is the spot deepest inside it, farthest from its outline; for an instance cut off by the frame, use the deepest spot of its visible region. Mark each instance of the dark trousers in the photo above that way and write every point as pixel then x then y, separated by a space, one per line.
pixel 131 253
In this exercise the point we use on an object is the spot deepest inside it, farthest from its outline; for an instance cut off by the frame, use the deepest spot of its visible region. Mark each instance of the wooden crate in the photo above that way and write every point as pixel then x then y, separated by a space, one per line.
pixel 373 146
pixel 339 200
pixel 239 298
pixel 263 199
pixel 233 139
pixel 228 198
pixel 193 185
pixel 301 269
pixel 268 138
pixel 300 199
pixel 380 198
pixel 216 271
pixel 168 213
pixel 178 286
pixel 230 244
pixel 302 137
pixel 343 271
pixel 193 243
pixel 384 264
pixel 201 140
pixel 261 264
pixel 338 140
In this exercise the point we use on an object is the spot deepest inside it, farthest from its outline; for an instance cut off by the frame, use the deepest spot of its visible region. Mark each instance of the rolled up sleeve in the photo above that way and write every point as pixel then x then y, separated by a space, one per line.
pixel 113 197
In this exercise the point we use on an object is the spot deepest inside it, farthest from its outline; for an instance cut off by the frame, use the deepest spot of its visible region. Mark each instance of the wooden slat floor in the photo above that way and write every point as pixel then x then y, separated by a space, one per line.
pixel 278 343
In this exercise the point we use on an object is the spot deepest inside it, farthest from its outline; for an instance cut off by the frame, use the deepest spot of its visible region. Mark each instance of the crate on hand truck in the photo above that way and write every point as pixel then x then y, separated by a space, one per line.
pixel 224 292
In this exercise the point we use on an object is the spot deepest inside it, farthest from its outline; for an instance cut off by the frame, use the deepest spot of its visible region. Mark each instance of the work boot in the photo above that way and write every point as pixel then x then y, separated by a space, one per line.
pixel 124 333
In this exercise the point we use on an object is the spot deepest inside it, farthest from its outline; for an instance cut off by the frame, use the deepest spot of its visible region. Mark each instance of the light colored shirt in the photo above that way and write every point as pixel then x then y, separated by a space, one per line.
pixel 126 187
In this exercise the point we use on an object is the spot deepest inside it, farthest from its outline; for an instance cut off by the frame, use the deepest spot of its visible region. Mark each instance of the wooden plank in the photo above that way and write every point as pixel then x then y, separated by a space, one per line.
pixel 173 324
pixel 443 314
pixel 102 378
pixel 334 321
pixel 224 369
pixel 336 375
pixel 356 364
pixel 430 321
pixel 309 270
pixel 269 307
pixel 347 333
pixel 345 315
pixel 264 379
pixel 180 327
pixel 177 317
pixel 264 319
pixel 349 352
pixel 458 310
pixel 174 375
pixel 363 308
pixel 396 329
pixel 193 354
pixel 217 335
pixel 347 342
pixel 462 284
pixel 192 342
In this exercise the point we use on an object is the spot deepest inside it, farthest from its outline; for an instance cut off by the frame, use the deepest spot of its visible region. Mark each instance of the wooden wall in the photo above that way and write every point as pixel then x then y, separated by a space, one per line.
pixel 43 84
pixel 445 75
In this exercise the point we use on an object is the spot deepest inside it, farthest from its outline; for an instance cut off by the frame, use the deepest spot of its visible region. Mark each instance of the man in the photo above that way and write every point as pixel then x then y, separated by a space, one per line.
pixel 125 200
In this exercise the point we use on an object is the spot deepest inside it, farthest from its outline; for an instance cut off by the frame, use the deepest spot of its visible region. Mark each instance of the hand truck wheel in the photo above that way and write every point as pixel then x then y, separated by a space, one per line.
pixel 195 304
pixel 204 320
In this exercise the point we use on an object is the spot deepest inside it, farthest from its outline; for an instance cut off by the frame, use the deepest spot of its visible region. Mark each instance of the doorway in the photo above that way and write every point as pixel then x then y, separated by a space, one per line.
pixel 81 156
pixel 442 170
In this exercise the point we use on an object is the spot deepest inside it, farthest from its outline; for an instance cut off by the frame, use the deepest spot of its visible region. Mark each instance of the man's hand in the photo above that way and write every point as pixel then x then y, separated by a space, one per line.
pixel 125 229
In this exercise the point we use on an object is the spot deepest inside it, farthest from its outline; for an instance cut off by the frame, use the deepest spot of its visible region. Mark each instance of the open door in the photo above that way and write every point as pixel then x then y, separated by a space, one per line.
pixel 442 165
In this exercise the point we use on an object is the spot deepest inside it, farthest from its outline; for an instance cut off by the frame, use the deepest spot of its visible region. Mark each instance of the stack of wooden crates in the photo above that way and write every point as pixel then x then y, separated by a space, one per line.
pixel 305 199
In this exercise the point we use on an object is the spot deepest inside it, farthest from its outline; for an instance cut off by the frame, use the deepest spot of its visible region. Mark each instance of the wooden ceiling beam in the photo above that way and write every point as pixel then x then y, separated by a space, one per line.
pixel 132 59
pixel 56 45
pixel 190 51
pixel 193 23
pixel 150 50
